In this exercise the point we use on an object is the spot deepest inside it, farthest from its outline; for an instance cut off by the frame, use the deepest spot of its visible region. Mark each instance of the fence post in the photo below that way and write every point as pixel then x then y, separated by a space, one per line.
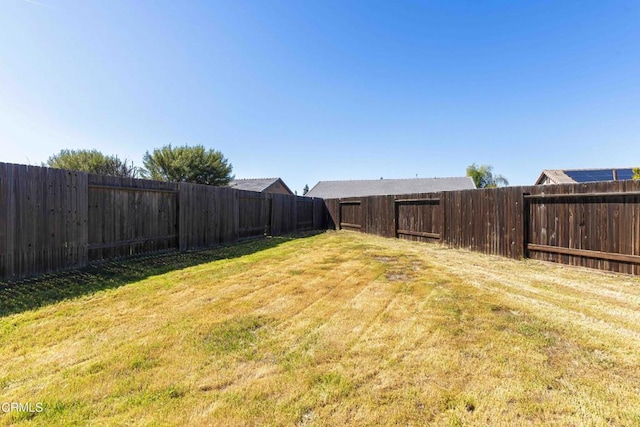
pixel 525 209
pixel 267 214
pixel 295 213
pixel 179 229
pixel 395 215
pixel 443 217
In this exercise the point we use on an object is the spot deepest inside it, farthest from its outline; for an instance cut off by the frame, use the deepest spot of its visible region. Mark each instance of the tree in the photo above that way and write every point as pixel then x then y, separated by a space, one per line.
pixel 92 161
pixel 636 173
pixel 187 164
pixel 483 176
pixel 305 190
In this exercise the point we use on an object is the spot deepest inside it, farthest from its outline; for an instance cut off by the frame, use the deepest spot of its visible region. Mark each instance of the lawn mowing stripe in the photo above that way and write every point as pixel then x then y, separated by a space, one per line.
pixel 384 308
pixel 521 284
pixel 579 290
pixel 612 285
pixel 318 301
pixel 575 317
pixel 582 305
pixel 345 326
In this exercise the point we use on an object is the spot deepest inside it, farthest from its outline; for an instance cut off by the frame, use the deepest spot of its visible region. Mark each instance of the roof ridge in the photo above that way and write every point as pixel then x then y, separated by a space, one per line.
pixel 396 179
pixel 254 179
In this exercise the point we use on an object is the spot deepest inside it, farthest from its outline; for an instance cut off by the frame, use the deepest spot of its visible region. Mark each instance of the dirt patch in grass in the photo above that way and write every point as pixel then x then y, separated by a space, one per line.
pixel 384 259
pixel 397 277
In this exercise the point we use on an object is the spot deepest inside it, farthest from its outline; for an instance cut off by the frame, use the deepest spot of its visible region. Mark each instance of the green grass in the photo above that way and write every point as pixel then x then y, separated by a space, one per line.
pixel 331 329
pixel 28 294
pixel 234 335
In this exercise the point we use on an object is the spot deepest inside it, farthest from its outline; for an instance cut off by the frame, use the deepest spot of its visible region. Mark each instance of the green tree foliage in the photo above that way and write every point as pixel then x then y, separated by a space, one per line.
pixel 636 173
pixel 305 190
pixel 483 176
pixel 92 161
pixel 187 164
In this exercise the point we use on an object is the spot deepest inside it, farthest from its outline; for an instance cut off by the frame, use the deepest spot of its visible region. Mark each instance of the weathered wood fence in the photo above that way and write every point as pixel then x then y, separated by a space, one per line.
pixel 594 225
pixel 52 219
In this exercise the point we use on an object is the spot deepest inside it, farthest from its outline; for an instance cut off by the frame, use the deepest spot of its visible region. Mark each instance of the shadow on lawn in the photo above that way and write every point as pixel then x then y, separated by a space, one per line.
pixel 29 294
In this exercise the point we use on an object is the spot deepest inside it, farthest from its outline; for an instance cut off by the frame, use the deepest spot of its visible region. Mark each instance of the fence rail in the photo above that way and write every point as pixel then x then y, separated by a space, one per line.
pixel 594 225
pixel 52 219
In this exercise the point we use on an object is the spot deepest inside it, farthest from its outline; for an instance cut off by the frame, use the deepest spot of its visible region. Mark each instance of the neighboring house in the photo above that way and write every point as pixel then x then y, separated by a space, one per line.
pixel 262 185
pixel 572 176
pixel 387 187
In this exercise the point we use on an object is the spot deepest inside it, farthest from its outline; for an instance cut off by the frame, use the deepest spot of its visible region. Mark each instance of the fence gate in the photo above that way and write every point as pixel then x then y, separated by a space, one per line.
pixel 350 214
pixel 418 219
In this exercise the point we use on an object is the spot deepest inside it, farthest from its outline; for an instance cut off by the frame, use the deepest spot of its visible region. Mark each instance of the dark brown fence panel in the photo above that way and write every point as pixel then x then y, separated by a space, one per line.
pixel 591 225
pixel 487 220
pixel 319 214
pixel 304 213
pixel 255 210
pixel 130 216
pixel 208 216
pixel 378 215
pixel 350 214
pixel 332 211
pixel 283 214
pixel 418 217
pixel 43 220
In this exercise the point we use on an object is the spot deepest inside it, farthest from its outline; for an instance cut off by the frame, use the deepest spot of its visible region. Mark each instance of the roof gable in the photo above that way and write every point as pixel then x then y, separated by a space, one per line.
pixel 257 184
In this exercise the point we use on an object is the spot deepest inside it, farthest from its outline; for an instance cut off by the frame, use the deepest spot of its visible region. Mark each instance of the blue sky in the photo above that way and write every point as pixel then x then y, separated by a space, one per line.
pixel 327 90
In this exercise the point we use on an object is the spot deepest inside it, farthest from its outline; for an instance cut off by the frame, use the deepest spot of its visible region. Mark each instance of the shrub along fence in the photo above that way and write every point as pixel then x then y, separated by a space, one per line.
pixel 594 225
pixel 52 219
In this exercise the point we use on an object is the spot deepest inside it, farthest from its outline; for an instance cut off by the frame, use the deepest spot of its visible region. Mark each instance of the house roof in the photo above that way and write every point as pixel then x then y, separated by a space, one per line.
pixel 256 184
pixel 572 176
pixel 384 187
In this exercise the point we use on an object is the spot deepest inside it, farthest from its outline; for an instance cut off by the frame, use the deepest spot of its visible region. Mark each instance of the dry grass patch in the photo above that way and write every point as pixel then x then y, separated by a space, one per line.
pixel 338 328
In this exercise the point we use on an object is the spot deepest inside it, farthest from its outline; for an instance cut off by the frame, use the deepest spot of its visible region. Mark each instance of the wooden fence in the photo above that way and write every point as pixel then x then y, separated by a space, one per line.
pixel 594 225
pixel 129 216
pixel 52 219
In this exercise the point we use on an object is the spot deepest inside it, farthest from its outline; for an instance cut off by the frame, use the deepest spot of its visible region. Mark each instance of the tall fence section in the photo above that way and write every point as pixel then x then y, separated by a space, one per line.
pixel 52 219
pixel 594 225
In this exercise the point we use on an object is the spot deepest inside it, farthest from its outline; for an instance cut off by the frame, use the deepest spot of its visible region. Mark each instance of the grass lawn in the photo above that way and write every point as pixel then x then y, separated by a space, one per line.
pixel 328 329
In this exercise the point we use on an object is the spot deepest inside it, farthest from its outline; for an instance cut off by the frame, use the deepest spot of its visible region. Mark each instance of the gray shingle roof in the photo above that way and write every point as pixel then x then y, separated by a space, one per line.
pixel 384 187
pixel 258 184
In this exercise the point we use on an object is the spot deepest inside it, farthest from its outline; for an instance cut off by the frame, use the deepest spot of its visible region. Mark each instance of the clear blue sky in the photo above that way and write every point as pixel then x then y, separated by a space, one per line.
pixel 327 90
